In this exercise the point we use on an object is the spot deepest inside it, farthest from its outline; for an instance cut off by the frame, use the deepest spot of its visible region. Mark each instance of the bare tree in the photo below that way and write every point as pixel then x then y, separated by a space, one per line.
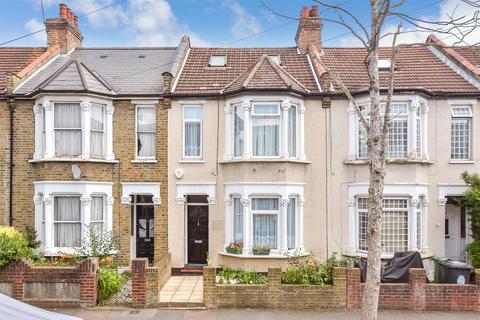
pixel 377 123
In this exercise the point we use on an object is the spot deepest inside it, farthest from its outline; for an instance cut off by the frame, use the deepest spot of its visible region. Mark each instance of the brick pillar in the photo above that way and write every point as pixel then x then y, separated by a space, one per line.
pixel 354 288
pixel 139 282
pixel 418 286
pixel 274 287
pixel 152 293
pixel 209 282
pixel 17 271
pixel 477 282
pixel 89 282
pixel 340 287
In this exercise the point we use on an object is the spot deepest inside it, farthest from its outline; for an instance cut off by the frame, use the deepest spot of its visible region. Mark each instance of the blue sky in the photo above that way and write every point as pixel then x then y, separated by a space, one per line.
pixel 207 22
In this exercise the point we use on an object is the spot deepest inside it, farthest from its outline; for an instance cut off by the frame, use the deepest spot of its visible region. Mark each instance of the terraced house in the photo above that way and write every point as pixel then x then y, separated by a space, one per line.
pixel 89 135
pixel 241 156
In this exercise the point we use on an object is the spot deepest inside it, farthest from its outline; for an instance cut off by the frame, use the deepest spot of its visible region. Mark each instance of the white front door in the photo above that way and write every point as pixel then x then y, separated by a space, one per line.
pixel 454 235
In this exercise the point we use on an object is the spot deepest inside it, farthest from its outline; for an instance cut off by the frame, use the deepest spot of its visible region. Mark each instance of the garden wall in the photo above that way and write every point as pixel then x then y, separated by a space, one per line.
pixel 54 287
pixel 274 294
pixel 148 281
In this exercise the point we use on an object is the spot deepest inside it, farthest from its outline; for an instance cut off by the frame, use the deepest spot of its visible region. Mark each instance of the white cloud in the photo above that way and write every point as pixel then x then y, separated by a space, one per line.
pixel 146 22
pixel 34 25
pixel 244 23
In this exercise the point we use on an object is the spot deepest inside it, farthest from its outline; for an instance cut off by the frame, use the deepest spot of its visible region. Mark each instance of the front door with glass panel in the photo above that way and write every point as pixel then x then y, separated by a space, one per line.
pixel 455 231
pixel 143 227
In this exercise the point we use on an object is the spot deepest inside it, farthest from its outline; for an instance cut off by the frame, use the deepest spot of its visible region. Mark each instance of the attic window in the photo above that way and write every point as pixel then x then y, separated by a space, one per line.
pixel 141 56
pixel 103 57
pixel 217 61
pixel 384 64
pixel 276 59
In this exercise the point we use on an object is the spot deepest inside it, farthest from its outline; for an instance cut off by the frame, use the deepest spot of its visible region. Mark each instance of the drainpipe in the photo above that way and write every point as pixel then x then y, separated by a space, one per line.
pixel 11 105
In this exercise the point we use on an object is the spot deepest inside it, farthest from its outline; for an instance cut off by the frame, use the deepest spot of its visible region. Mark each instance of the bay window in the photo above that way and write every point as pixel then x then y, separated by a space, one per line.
pixel 146 132
pixel 265 129
pixel 67 221
pixel 291 223
pixel 461 139
pixel 192 131
pixel 407 131
pixel 73 128
pixel 237 220
pixel 97 215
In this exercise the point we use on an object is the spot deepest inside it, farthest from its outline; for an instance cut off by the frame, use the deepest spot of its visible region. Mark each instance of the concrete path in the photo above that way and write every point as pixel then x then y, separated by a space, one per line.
pixel 230 314
pixel 182 289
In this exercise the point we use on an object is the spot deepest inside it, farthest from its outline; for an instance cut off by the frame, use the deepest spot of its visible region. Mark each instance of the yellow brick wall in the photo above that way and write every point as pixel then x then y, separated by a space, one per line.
pixel 26 173
pixel 4 156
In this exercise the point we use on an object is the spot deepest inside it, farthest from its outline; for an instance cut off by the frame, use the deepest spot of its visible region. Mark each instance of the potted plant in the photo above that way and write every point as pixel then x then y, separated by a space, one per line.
pixel 235 248
pixel 261 251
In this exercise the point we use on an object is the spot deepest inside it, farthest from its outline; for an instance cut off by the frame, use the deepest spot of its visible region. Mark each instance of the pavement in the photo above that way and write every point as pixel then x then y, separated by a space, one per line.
pixel 252 314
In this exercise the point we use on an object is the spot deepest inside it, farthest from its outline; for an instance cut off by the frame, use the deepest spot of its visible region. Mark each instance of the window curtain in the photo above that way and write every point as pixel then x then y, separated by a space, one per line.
pixel 291 223
pixel 237 220
pixel 146 131
pixel 238 128
pixel 67 224
pixel 265 204
pixel 96 130
pixel 192 117
pixel 96 215
pixel 265 230
pixel 68 129
pixel 292 131
pixel 265 136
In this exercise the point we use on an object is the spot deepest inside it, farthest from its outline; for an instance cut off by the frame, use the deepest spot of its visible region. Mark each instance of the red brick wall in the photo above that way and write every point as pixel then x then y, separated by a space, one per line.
pixel 418 294
pixel 86 275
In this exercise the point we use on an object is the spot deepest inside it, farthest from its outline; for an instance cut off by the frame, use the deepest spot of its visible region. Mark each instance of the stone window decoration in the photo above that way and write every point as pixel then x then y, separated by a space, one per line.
pixel 65 212
pixel 265 130
pixel 73 128
pixel 253 218
pixel 461 133
pixel 407 134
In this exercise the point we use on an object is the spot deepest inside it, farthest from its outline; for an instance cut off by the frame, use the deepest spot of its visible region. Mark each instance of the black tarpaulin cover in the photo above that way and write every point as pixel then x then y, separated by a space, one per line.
pixel 396 270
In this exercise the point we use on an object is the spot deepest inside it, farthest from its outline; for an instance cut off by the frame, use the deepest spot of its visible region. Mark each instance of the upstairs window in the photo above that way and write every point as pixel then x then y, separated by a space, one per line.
pixel 192 131
pixel 217 61
pixel 266 130
pixel 238 131
pixel 146 132
pixel 68 129
pixel 461 128
pixel 97 130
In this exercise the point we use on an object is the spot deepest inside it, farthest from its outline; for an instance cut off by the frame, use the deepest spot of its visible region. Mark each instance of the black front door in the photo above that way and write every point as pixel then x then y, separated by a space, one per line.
pixel 197 234
pixel 145 231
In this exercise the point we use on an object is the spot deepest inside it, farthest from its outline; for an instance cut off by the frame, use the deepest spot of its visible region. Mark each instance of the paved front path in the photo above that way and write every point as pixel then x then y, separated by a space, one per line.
pixel 230 314
pixel 182 289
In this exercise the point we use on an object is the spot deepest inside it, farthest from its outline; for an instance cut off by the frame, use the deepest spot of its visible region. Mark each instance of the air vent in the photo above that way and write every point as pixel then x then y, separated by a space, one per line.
pixel 103 57
pixel 141 56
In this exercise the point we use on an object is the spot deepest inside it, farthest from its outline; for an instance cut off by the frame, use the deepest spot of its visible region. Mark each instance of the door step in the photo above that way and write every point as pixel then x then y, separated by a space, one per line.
pixel 192 268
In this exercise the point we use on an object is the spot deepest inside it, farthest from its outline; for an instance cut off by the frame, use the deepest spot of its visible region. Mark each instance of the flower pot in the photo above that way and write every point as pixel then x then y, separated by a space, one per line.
pixel 234 250
pixel 261 252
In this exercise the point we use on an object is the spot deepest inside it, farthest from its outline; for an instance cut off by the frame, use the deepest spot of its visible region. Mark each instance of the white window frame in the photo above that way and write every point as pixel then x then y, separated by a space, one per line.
pixel 82 218
pixel 145 158
pixel 45 129
pixel 247 107
pixel 466 117
pixel 104 142
pixel 184 122
pixel 45 193
pixel 217 56
pixel 104 209
pixel 417 111
pixel 266 212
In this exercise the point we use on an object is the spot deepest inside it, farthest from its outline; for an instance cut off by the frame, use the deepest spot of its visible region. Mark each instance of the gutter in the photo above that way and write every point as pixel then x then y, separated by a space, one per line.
pixel 11 105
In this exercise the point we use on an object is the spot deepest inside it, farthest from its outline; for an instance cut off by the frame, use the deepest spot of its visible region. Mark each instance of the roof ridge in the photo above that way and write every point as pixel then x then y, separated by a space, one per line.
pixel 55 74
pixel 97 77
pixel 282 72
pixel 254 70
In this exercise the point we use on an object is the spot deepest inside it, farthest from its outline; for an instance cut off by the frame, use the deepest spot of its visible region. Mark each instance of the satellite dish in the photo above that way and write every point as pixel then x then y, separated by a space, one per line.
pixel 179 173
pixel 76 172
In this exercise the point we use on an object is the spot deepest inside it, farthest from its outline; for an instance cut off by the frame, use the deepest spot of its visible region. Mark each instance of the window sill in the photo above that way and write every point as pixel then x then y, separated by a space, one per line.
pixel 252 256
pixel 394 161
pixel 191 161
pixel 144 161
pixel 461 162
pixel 265 160
pixel 72 160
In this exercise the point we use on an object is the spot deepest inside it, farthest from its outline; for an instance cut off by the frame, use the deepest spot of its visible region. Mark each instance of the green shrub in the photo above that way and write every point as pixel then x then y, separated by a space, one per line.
pixel 13 246
pixel 31 236
pixel 311 271
pixel 473 250
pixel 109 283
pixel 238 276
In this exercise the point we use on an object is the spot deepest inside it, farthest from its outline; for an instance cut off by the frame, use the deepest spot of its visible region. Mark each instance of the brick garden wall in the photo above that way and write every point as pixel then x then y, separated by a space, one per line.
pixel 148 281
pixel 53 287
pixel 274 294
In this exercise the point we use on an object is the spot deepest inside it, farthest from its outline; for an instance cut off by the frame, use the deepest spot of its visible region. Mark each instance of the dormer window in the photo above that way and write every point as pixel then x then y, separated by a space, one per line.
pixel 218 61
pixel 276 59
pixel 384 64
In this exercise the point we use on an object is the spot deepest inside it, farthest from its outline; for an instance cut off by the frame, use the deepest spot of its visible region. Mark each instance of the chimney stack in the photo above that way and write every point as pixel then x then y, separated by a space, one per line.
pixel 63 31
pixel 309 29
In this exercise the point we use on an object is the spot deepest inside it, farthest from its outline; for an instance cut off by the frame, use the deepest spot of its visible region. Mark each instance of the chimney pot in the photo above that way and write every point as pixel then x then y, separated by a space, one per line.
pixel 314 11
pixel 63 10
pixel 69 14
pixel 304 12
